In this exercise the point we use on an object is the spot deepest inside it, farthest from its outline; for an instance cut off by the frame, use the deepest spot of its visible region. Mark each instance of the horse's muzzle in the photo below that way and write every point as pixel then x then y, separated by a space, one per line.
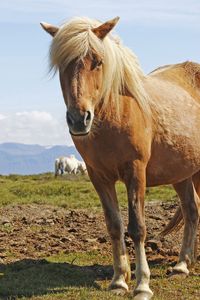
pixel 79 122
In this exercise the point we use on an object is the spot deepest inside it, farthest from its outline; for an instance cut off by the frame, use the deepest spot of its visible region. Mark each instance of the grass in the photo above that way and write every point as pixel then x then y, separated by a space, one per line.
pixel 82 276
pixel 67 191
pixel 75 276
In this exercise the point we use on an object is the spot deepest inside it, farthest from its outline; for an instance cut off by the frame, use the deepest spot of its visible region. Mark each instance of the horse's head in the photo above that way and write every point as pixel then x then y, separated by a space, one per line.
pixel 81 70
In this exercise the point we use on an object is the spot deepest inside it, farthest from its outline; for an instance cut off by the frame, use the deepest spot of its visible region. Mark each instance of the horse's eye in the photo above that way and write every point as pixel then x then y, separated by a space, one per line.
pixel 95 64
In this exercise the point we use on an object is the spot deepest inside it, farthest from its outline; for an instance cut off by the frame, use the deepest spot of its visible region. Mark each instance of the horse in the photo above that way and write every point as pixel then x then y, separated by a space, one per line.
pixel 82 167
pixel 70 164
pixel 58 168
pixel 143 130
pixel 64 164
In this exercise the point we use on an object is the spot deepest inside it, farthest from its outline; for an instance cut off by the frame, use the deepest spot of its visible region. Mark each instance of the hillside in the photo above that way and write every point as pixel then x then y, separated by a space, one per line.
pixel 31 159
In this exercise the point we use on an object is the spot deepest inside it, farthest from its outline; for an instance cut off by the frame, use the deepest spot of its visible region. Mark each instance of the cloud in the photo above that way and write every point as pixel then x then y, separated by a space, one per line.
pixel 2 117
pixel 40 116
pixel 169 12
pixel 34 127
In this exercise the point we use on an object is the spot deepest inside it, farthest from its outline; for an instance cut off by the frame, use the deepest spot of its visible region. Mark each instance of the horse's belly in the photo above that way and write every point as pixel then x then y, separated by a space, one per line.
pixel 171 163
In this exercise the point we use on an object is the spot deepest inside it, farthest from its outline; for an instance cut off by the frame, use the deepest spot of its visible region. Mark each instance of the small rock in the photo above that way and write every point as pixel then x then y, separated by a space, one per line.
pixel 3 255
pixel 56 244
pixel 40 247
pixel 2 234
pixel 90 240
pixel 154 244
pixel 91 216
pixel 95 247
pixel 175 251
pixel 39 221
pixel 169 271
pixel 24 220
pixel 55 236
pixel 128 241
pixel 65 239
pixel 50 222
pixel 157 259
pixel 155 227
pixel 72 230
pixel 172 252
pixel 149 250
pixel 4 221
pixel 156 217
pixel 24 250
pixel 102 240
pixel 162 251
pixel 13 243
pixel 2 249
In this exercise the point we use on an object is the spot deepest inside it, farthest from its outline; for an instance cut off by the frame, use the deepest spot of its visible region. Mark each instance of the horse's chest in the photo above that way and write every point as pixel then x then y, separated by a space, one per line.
pixel 106 153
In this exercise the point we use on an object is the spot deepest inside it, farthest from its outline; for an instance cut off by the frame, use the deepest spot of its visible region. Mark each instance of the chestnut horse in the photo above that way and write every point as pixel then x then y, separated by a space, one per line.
pixel 142 130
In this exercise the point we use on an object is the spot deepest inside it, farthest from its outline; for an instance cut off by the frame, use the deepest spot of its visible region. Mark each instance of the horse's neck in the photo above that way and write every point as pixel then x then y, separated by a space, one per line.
pixel 122 116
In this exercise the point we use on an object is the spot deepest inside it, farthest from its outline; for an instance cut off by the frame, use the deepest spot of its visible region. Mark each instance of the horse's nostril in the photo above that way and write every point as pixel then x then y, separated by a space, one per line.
pixel 78 121
pixel 70 120
pixel 87 117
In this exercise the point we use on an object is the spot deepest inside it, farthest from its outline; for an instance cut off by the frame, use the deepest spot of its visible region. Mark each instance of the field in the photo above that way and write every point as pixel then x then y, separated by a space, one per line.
pixel 54 243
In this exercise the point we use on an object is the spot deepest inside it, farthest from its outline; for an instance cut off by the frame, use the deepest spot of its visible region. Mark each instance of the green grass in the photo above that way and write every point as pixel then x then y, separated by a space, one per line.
pixel 67 191
pixel 82 276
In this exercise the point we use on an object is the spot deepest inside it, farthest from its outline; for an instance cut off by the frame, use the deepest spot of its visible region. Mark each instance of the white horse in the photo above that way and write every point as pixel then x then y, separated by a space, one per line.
pixel 58 169
pixel 70 165
pixel 82 167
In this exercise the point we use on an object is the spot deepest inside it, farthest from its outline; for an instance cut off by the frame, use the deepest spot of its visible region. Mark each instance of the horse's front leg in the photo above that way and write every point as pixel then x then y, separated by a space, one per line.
pixel 135 180
pixel 107 194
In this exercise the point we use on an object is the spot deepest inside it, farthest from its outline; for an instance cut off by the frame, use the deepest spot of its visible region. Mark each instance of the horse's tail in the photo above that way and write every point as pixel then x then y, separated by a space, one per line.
pixel 175 223
pixel 177 220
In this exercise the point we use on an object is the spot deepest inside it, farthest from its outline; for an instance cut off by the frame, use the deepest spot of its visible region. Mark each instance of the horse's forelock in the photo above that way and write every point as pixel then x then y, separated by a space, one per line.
pixel 121 70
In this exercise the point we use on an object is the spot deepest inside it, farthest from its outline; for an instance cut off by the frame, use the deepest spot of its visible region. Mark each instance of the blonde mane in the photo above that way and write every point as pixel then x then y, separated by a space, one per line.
pixel 121 70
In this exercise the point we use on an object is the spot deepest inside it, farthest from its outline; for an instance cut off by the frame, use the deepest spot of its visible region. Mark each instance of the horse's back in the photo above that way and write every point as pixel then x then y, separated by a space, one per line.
pixel 186 75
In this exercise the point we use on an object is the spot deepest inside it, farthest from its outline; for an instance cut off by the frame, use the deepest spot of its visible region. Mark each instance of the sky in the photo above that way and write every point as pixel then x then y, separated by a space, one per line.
pixel 32 109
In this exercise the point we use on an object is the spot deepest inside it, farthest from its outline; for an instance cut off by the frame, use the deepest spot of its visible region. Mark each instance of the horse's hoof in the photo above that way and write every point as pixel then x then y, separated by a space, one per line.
pixel 118 287
pixel 177 275
pixel 143 296
pixel 173 273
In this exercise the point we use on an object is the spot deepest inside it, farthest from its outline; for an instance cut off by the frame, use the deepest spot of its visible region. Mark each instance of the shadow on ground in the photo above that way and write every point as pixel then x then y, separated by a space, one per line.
pixel 39 277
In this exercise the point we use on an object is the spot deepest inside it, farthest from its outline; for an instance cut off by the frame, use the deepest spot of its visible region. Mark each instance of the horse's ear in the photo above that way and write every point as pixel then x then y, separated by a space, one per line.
pixel 51 29
pixel 105 28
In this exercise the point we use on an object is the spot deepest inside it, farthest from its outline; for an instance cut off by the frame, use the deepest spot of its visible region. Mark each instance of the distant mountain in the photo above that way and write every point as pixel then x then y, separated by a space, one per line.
pixel 31 159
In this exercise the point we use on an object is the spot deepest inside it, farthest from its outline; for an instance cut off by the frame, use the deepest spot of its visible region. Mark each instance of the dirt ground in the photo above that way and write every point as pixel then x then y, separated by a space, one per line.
pixel 38 231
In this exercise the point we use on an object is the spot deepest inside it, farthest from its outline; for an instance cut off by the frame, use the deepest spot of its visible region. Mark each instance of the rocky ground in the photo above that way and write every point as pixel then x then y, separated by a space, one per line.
pixel 37 231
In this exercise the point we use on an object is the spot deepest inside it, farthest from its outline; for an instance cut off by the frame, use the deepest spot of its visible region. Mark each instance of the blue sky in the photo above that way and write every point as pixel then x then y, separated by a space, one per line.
pixel 31 105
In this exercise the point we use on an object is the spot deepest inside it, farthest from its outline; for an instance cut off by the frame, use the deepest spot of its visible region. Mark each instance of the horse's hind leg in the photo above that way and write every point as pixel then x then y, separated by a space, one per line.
pixel 188 197
pixel 196 182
